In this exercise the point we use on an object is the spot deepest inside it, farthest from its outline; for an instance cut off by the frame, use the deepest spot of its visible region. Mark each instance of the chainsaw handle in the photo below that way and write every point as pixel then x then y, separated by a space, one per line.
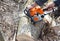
pixel 46 9
pixel 25 11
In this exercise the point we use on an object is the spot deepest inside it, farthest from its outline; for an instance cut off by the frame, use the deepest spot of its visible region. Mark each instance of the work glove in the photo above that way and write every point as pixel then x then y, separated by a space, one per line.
pixel 50 6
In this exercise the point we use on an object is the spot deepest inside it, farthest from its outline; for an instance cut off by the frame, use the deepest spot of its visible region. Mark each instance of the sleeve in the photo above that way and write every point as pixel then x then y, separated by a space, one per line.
pixel 38 2
pixel 57 2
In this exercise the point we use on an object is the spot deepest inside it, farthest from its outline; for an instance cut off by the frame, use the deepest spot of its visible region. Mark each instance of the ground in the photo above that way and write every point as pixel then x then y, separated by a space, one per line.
pixel 13 22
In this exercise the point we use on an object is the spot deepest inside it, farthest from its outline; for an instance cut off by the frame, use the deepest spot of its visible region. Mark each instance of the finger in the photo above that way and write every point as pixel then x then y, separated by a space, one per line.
pixel 49 9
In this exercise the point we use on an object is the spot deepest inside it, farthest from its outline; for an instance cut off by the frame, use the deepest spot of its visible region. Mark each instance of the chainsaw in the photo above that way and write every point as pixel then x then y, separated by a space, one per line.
pixel 36 14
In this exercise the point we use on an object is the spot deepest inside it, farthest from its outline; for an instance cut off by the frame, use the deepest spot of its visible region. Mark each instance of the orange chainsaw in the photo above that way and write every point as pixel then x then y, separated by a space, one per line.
pixel 36 14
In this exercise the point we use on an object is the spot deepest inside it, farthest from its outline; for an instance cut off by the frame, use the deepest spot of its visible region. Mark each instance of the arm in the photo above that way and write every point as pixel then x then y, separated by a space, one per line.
pixel 40 2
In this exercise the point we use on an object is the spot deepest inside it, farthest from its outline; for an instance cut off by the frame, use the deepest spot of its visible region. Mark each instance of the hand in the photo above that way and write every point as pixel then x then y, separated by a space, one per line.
pixel 50 6
pixel 26 10
pixel 31 6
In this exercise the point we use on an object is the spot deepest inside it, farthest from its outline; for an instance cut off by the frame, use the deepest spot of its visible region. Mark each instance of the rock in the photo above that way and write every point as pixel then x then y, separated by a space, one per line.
pixel 24 38
pixel 1 37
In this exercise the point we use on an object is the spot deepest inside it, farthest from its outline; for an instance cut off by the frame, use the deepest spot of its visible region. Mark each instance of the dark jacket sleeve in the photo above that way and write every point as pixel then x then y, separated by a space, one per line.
pixel 40 2
pixel 57 2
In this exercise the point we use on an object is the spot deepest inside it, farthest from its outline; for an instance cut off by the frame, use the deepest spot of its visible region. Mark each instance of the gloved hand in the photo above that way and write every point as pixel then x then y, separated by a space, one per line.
pixel 30 6
pixel 27 9
pixel 50 6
